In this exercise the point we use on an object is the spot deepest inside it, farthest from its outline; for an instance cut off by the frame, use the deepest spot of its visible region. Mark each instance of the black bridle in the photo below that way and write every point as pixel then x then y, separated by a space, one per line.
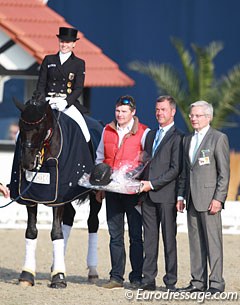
pixel 39 146
pixel 36 122
pixel 43 143
pixel 39 156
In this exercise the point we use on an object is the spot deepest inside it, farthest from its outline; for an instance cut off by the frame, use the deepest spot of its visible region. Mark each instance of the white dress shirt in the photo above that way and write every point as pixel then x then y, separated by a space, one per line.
pixel 64 56
pixel 165 129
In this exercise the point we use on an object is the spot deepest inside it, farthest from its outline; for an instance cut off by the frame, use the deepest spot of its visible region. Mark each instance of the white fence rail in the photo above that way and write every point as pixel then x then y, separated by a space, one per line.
pixel 15 215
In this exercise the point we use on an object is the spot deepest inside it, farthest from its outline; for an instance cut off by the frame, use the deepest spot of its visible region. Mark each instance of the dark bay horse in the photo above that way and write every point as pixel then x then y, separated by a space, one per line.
pixel 51 156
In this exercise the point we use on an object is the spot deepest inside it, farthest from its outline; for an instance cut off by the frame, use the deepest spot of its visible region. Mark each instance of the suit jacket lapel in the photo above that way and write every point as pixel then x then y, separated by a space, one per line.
pixel 153 137
pixel 187 146
pixel 149 141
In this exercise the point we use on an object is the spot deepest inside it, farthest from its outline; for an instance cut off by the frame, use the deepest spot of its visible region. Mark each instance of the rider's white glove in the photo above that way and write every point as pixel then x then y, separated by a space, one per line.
pixel 58 103
pixel 51 101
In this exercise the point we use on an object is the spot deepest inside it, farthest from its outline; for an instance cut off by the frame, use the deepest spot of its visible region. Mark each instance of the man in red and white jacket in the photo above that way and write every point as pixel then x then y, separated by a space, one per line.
pixel 121 143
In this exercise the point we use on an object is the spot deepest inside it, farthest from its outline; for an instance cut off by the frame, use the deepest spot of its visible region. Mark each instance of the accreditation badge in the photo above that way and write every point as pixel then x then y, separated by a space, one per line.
pixel 204 157
pixel 71 76
pixel 204 161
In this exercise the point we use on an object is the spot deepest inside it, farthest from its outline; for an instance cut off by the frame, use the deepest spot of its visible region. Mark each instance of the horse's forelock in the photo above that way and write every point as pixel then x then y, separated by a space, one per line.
pixel 38 100
pixel 38 97
pixel 35 108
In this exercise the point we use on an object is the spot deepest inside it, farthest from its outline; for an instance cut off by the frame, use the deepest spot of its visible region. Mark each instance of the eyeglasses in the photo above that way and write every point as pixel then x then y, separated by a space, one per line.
pixel 197 116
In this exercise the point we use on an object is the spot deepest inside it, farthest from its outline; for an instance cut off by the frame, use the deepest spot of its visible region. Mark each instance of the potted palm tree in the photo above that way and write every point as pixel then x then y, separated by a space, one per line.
pixel 198 81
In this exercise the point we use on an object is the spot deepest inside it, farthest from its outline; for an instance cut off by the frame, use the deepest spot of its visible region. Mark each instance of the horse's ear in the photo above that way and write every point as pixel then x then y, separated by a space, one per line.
pixel 18 104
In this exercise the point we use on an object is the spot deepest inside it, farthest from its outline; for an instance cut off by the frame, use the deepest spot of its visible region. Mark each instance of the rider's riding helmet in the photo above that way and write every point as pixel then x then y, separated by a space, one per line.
pixel 101 174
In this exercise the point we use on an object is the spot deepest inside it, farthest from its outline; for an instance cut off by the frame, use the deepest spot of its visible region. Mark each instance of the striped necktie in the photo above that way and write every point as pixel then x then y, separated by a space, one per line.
pixel 157 140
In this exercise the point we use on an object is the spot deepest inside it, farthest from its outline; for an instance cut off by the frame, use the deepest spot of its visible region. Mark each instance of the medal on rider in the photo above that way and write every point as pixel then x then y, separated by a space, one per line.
pixel 71 76
pixel 69 84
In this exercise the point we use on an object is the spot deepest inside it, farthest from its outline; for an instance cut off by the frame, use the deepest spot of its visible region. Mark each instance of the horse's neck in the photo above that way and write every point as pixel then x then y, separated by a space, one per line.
pixel 53 144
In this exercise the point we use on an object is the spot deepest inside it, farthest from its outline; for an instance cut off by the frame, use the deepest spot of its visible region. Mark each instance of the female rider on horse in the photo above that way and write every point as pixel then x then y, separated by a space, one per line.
pixel 61 79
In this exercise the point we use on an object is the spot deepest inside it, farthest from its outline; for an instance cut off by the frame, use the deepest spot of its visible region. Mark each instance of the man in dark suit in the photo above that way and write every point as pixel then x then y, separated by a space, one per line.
pixel 204 185
pixel 62 75
pixel 159 204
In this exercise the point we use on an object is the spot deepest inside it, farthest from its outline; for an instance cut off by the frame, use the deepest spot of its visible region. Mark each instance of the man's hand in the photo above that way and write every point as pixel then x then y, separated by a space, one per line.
pixel 100 195
pixel 145 186
pixel 5 191
pixel 180 206
pixel 214 207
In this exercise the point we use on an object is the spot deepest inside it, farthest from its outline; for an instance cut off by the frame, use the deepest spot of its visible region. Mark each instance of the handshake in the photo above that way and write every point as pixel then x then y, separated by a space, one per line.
pixel 58 103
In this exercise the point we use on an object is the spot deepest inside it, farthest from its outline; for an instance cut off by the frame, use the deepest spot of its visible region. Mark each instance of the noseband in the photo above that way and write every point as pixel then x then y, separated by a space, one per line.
pixel 34 123
pixel 29 144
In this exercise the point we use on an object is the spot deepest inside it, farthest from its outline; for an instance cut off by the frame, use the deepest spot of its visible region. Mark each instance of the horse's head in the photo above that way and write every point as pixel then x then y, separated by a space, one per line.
pixel 35 125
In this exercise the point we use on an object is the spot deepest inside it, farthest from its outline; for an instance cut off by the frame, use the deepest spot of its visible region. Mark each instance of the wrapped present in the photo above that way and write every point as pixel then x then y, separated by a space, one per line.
pixel 122 181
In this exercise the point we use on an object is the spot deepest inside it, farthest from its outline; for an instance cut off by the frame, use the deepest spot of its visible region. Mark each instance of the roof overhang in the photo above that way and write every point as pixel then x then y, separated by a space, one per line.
pixel 28 32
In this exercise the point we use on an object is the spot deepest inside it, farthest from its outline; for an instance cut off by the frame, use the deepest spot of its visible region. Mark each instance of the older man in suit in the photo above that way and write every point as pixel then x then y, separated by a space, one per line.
pixel 204 185
pixel 159 204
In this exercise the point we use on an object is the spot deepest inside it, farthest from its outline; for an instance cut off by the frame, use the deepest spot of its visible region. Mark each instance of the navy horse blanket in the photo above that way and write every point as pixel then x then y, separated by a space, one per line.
pixel 56 183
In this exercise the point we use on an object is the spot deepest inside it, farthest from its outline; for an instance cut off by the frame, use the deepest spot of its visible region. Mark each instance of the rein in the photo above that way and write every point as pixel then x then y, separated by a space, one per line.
pixel 24 191
pixel 40 158
pixel 47 140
